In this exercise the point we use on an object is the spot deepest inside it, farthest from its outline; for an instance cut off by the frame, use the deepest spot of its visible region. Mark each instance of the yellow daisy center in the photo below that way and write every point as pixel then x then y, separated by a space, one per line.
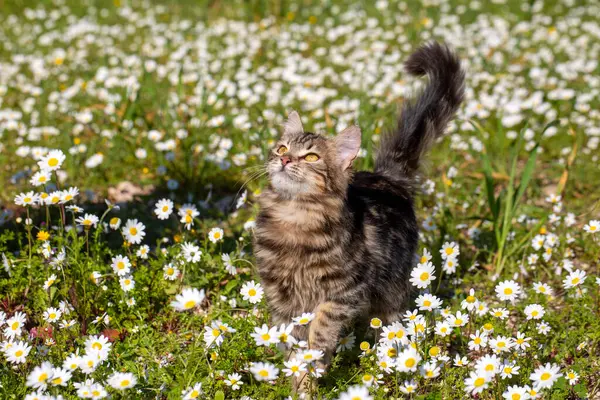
pixel 545 376
pixel 189 304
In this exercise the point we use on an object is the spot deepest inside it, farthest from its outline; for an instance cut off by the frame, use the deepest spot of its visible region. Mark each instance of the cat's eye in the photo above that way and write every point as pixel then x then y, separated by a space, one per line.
pixel 282 150
pixel 312 157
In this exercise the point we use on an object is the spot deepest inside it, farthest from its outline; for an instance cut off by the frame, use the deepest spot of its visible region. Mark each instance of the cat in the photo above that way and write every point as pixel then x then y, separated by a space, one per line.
pixel 341 244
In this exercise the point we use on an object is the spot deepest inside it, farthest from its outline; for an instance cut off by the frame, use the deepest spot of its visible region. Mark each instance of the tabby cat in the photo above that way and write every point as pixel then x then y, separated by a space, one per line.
pixel 341 244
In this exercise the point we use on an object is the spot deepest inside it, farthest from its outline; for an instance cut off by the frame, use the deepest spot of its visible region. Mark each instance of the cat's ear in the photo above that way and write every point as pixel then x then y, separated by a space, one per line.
pixel 293 125
pixel 347 144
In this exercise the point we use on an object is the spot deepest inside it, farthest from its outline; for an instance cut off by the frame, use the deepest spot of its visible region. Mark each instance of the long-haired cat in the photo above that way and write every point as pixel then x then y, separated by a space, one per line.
pixel 341 244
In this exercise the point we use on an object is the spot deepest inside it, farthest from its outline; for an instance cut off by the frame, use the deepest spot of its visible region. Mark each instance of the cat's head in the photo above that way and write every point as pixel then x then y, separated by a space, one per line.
pixel 307 164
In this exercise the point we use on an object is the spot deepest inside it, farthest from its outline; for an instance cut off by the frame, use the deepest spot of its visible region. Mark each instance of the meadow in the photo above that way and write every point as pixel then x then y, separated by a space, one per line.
pixel 132 136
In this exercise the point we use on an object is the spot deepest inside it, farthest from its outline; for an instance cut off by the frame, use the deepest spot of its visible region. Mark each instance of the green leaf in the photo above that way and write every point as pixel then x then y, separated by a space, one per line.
pixel 526 177
pixel 219 395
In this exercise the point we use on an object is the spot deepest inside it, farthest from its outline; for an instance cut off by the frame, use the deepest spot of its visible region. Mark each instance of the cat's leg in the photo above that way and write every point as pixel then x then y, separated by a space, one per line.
pixel 324 332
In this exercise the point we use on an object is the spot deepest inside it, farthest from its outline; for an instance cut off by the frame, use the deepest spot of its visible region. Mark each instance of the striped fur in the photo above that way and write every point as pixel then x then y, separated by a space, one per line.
pixel 337 243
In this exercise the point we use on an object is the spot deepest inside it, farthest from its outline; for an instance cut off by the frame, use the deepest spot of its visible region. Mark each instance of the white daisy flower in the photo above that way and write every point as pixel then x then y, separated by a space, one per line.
pixel 164 209
pixel 122 380
pixel 215 234
pixel 422 275
pixel 252 292
pixel 264 371
pixel 189 298
pixel 52 161
pixel 134 231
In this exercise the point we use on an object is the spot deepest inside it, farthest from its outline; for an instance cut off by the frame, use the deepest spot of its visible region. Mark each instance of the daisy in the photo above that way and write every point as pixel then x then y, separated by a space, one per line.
pixel 543 328
pixel 215 234
pixel 408 360
pixel 52 161
pixel 450 266
pixel 17 353
pixel 422 275
pixel 134 231
pixel 75 209
pixel 127 283
pixel 460 361
pixel 592 227
pixel 69 194
pixel 170 272
pixel 40 178
pixel 52 314
pixel 265 336
pixel 488 364
pixel 478 341
pixel 143 251
pixel 534 311
pixel 500 313
pixel 304 319
pixel 425 257
pixel 394 333
pixel 72 362
pixel 87 221
pixel 26 199
pixel 191 252
pixel 356 393
pixel 98 345
pixel 449 250
pixel 294 367
pixel 501 344
pixel 122 380
pixel 284 334
pixel 574 279
pixel 60 376
pixel 114 223
pixel 573 377
pixel 375 323
pixel 430 370
pixel 40 376
pixel 459 319
pixel 507 370
pixel 213 335
pixel 516 393
pixel 189 298
pixel 477 382
pixel 193 392
pixel 508 290
pixel 408 387
pixel 264 371
pixel 544 376
pixel 428 302
pixel 98 391
pixel 88 363
pixel 542 288
pixel 15 325
pixel 229 267
pixel 309 356
pixel 522 342
pixel 470 303
pixel 252 292
pixel 234 381
pixel 346 343
pixel 121 265
pixel 164 209
pixel 67 324
pixel 443 328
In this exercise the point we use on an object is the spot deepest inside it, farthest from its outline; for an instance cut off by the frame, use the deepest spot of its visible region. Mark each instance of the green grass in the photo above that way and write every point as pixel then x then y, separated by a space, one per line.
pixel 232 71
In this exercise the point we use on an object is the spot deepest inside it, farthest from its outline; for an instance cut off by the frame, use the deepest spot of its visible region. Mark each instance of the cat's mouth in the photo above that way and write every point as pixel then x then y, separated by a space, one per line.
pixel 289 174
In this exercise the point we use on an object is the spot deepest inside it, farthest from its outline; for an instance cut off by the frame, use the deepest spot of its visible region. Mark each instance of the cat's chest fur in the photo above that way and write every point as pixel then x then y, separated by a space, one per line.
pixel 299 246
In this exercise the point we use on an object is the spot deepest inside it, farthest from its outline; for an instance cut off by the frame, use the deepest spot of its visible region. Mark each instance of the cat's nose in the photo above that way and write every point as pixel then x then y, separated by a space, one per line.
pixel 285 160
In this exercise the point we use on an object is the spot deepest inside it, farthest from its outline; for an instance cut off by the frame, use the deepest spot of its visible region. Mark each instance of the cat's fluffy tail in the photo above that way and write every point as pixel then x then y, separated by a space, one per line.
pixel 425 119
